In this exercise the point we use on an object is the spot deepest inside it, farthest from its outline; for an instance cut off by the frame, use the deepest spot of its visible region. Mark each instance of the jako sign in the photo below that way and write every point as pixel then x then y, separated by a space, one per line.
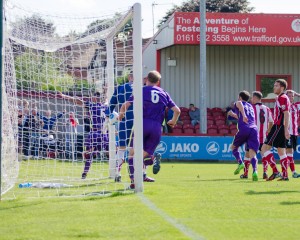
pixel 201 148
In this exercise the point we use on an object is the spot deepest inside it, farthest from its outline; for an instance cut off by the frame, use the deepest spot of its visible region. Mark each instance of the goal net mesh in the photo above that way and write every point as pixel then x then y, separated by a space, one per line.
pixel 48 59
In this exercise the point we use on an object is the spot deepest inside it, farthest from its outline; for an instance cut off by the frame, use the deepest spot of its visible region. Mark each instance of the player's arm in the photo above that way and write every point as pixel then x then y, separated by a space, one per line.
pixel 76 100
pixel 232 114
pixel 123 109
pixel 176 113
pixel 271 120
pixel 113 102
pixel 286 115
pixel 240 106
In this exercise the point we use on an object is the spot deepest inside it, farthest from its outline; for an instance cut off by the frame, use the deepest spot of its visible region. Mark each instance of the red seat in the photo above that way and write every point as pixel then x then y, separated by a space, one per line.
pixel 210 122
pixel 185 117
pixel 184 114
pixel 177 130
pixel 184 109
pixel 220 117
pixel 217 113
pixel 212 131
pixel 217 109
pixel 189 130
pixel 224 131
pixel 186 121
pixel 210 117
pixel 220 122
pixel 233 131
pixel 232 126
pixel 222 126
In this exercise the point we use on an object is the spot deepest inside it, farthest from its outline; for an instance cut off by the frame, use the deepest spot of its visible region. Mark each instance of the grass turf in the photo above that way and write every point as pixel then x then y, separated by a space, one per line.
pixel 205 198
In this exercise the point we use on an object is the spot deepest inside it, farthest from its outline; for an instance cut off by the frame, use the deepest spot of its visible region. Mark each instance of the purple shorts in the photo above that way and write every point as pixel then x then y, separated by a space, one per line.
pixel 96 140
pixel 248 136
pixel 152 135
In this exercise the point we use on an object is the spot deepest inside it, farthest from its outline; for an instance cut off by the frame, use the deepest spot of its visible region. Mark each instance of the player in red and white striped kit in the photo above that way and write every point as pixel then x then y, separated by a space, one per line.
pixel 264 122
pixel 279 133
pixel 293 129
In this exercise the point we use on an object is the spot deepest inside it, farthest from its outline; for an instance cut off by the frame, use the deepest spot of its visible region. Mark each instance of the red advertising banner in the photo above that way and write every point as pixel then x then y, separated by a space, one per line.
pixel 238 29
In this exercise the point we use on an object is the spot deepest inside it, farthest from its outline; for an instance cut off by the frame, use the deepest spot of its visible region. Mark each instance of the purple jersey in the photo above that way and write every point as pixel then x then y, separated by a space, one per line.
pixel 97 114
pixel 249 112
pixel 155 101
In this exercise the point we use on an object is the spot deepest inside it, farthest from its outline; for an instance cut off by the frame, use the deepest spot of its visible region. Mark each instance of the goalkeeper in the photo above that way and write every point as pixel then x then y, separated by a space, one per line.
pixel 120 96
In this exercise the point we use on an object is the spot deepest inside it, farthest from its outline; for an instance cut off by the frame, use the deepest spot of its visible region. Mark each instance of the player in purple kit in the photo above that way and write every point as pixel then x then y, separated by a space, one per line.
pixel 96 140
pixel 155 102
pixel 247 132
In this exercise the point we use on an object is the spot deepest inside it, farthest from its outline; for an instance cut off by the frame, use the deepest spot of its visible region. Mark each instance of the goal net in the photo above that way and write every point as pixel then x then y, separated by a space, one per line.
pixel 59 75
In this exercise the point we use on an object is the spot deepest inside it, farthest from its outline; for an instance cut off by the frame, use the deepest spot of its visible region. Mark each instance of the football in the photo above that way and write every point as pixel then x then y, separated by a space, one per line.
pixel 113 118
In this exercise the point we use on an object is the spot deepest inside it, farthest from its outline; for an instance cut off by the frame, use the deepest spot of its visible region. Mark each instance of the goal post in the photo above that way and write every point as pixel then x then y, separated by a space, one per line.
pixel 59 75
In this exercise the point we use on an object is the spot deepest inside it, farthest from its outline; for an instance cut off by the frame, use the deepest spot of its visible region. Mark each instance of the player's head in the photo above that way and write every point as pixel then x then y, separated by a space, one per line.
pixel 256 97
pixel 34 111
pixel 96 97
pixel 244 96
pixel 130 76
pixel 153 78
pixel 291 95
pixel 280 85
pixel 48 113
pixel 192 107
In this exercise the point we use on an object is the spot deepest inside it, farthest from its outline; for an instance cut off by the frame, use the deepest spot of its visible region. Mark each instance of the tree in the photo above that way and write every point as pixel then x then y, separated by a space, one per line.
pixel 39 70
pixel 33 28
pixel 241 6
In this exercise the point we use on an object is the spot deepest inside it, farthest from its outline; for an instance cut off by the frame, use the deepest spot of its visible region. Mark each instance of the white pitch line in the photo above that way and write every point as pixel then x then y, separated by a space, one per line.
pixel 185 230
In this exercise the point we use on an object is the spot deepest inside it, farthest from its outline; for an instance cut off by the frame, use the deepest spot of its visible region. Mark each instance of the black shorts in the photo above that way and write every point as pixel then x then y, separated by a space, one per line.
pixel 292 142
pixel 276 137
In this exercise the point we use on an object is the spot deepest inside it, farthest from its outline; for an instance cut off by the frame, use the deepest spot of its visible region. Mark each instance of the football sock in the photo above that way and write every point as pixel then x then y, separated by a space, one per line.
pixel 130 168
pixel 247 164
pixel 265 164
pixel 291 161
pixel 270 158
pixel 254 164
pixel 237 155
pixel 120 161
pixel 284 162
pixel 88 162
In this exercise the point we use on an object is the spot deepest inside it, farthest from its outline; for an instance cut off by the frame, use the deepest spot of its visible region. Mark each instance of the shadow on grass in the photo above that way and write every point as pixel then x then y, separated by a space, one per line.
pixel 290 203
pixel 218 180
pixel 251 192
pixel 19 206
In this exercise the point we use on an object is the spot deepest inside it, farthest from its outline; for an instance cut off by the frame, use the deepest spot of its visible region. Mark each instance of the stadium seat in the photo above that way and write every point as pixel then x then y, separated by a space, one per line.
pixel 186 121
pixel 220 117
pixel 233 131
pixel 217 109
pixel 188 128
pixel 210 122
pixel 217 113
pixel 185 117
pixel 184 114
pixel 232 126
pixel 184 109
pixel 177 129
pixel 212 129
pixel 223 129
pixel 219 122
pixel 210 117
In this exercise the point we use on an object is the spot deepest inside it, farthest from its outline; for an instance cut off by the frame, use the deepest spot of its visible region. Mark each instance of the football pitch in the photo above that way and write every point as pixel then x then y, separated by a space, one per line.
pixel 187 201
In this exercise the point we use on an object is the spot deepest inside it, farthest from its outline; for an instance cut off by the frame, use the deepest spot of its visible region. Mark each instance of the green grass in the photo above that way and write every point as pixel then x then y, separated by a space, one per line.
pixel 205 198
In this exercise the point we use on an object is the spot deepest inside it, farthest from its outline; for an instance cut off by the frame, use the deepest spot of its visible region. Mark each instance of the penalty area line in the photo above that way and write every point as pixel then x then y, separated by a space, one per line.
pixel 182 228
